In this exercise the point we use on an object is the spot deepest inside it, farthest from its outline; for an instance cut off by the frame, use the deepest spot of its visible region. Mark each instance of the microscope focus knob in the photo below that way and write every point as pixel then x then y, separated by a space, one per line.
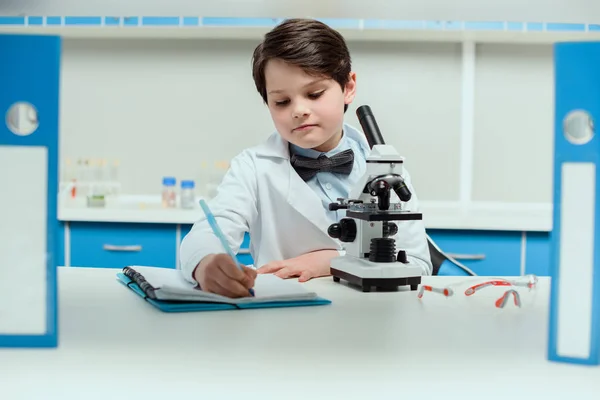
pixel 345 230
pixel 389 229
pixel 335 230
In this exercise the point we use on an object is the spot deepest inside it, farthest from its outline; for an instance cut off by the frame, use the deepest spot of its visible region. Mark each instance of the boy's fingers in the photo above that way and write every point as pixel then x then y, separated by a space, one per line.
pixel 223 291
pixel 251 272
pixel 269 268
pixel 305 276
pixel 231 288
pixel 250 277
pixel 227 265
pixel 285 273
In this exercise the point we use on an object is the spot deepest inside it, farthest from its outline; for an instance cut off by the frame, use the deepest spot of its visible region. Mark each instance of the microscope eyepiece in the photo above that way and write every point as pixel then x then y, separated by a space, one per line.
pixel 369 125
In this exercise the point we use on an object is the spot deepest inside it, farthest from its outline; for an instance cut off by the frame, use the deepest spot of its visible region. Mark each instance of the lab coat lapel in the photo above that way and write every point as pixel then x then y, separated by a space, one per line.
pixel 299 195
pixel 306 201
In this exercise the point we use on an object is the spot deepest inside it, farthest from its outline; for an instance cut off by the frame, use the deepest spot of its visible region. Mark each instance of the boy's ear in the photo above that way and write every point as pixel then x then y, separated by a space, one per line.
pixel 350 89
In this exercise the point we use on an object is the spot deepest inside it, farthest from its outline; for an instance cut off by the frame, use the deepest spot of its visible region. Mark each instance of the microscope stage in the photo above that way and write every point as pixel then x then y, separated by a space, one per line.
pixel 367 274
pixel 394 215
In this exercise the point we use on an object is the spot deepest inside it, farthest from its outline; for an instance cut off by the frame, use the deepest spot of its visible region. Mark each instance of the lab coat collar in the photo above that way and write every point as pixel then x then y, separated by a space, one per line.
pixel 276 146
pixel 297 193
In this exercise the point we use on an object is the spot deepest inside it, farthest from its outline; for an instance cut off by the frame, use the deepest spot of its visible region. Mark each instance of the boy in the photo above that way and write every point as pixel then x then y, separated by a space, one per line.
pixel 302 71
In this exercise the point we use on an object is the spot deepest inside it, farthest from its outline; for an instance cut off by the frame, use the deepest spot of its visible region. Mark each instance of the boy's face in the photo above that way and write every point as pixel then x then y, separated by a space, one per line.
pixel 307 111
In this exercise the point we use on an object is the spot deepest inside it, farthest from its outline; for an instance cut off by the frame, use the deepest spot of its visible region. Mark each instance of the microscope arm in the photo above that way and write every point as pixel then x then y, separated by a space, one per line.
pixel 411 235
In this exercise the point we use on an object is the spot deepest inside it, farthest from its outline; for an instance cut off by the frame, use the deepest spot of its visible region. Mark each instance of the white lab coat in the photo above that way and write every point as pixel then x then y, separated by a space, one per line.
pixel 262 194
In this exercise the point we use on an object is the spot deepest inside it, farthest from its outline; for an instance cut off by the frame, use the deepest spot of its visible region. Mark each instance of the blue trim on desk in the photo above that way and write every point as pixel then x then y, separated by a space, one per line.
pixel 112 21
pixel 232 21
pixel 160 21
pixel 515 26
pixel 131 21
pixel 565 27
pixel 341 23
pixel 83 20
pixel 12 20
pixel 41 87
pixel 434 25
pixel 576 71
pixel 54 20
pixel 535 26
pixel 337 23
pixel 191 21
pixel 35 20
pixel 454 25
pixel 391 24
pixel 484 26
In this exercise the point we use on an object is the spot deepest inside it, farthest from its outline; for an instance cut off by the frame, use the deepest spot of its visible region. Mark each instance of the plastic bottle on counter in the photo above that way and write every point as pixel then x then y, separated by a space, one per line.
pixel 188 197
pixel 169 197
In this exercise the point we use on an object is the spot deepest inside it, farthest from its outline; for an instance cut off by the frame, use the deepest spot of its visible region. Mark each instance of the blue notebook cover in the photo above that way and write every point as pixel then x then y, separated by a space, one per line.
pixel 29 142
pixel 190 306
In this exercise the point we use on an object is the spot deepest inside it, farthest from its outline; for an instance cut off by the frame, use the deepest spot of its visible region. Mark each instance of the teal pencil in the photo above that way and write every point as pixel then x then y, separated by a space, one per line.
pixel 219 234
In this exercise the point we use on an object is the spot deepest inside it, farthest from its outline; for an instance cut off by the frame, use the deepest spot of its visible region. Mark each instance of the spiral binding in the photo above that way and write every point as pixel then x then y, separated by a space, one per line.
pixel 140 281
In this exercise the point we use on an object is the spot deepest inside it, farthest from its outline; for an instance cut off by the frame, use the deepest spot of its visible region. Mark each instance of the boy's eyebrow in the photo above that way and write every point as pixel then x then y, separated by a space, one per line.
pixel 308 84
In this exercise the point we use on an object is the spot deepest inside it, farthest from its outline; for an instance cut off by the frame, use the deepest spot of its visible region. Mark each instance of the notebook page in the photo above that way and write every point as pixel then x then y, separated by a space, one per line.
pixel 271 286
pixel 172 286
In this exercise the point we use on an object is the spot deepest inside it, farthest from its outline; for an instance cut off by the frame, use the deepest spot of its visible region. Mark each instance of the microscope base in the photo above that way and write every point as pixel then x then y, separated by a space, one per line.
pixel 368 275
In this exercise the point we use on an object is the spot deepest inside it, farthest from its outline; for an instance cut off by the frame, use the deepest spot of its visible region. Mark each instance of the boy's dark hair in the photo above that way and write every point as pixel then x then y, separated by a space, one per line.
pixel 309 44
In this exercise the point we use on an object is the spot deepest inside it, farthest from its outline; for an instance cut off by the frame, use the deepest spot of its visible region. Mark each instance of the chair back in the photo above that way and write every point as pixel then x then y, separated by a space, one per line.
pixel 438 258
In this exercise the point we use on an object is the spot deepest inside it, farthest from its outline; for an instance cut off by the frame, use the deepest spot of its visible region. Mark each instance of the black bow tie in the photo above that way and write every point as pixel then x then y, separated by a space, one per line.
pixel 307 167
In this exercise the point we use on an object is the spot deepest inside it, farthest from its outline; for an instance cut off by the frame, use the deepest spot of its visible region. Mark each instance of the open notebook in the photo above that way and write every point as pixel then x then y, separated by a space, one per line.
pixel 167 290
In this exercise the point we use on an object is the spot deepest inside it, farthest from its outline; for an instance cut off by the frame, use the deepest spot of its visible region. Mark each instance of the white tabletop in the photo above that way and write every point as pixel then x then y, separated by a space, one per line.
pixel 113 345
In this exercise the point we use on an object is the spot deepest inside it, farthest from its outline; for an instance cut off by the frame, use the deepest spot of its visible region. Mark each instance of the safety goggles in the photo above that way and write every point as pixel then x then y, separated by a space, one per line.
pixel 485 292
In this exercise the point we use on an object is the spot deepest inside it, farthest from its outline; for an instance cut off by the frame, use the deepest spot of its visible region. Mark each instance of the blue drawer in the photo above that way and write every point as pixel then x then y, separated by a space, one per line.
pixel 59 257
pixel 502 250
pixel 115 245
pixel 245 259
pixel 538 253
pixel 112 21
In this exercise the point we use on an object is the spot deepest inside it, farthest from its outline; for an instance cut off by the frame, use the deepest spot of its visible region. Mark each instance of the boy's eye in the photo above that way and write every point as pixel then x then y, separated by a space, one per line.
pixel 316 95
pixel 281 103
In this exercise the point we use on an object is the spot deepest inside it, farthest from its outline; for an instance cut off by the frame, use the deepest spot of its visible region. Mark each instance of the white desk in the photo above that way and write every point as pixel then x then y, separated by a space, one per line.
pixel 364 345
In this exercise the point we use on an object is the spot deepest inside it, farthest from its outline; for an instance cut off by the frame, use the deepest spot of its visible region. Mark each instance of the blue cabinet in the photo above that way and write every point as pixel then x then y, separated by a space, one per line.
pixel 538 253
pixel 116 245
pixel 59 257
pixel 502 250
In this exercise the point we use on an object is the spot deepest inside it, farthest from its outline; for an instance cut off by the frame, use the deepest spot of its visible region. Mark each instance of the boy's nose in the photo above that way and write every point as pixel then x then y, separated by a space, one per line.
pixel 300 111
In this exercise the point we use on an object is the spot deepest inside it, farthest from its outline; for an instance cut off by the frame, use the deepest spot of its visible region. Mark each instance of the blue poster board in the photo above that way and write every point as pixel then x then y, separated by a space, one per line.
pixel 29 126
pixel 574 334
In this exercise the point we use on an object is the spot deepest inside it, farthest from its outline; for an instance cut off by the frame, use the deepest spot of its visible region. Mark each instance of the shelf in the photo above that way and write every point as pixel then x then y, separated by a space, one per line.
pixel 437 215
pixel 351 34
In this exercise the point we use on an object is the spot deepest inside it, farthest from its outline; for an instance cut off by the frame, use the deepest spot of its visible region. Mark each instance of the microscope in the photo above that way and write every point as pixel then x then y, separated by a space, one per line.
pixel 371 259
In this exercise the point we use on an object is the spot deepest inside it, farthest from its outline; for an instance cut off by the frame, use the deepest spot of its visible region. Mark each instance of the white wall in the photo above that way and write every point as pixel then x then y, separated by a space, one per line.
pixel 474 10
pixel 514 124
pixel 159 106
pixel 165 106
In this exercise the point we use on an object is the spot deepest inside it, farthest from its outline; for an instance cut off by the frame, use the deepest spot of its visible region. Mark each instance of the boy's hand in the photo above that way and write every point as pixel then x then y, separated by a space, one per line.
pixel 306 266
pixel 218 273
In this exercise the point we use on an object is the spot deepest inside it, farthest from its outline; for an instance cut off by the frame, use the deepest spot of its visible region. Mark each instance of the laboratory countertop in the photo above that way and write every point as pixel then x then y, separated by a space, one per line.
pixel 127 208
pixel 436 215
pixel 113 345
